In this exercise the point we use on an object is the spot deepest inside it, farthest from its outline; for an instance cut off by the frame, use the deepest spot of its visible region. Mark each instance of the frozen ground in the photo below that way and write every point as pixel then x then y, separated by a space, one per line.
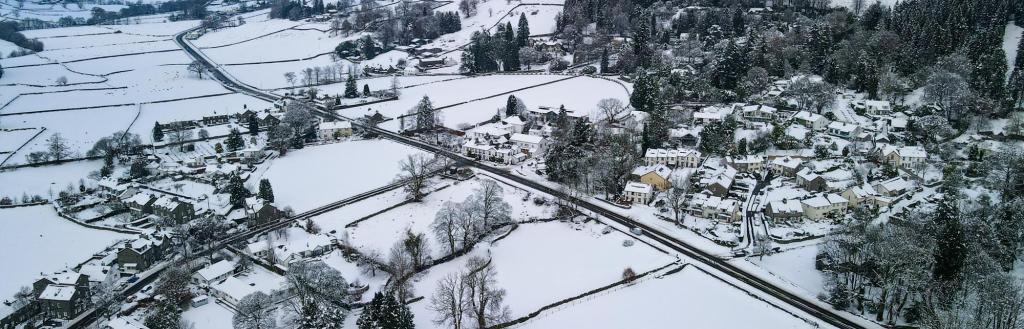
pixel 541 263
pixel 315 176
pixel 43 243
pixel 335 220
pixel 382 231
pixel 689 296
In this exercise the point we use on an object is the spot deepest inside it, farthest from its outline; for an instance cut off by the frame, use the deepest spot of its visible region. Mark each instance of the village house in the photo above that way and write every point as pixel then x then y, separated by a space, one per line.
pixel 62 295
pixel 711 114
pixel 759 113
pixel 140 202
pixel 654 175
pixel 823 205
pixel 260 212
pixel 746 163
pixel 810 181
pixel 679 158
pixel 902 157
pixel 169 207
pixel 784 210
pixel 214 273
pixel 865 195
pixel 214 120
pixel 893 187
pixel 816 122
pixel 528 144
pixel 843 129
pixel 332 130
pixel 717 180
pixel 638 193
pixel 139 254
pixel 785 166
pixel 873 107
pixel 714 207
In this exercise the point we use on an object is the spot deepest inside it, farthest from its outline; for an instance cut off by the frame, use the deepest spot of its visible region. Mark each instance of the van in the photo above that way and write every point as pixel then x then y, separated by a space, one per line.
pixel 200 301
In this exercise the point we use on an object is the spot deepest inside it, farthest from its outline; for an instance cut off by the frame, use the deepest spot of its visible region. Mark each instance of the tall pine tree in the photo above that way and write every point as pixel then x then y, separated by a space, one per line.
pixel 385 312
pixel 350 87
pixel 266 191
pixel 523 33
pixel 158 132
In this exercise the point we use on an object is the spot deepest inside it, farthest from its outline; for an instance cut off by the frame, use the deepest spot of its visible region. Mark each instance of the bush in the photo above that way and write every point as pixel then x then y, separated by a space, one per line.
pixel 589 70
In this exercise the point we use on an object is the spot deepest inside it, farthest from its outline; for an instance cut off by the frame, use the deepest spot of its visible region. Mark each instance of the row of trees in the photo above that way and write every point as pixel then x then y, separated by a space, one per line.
pixel 9 32
pixel 460 225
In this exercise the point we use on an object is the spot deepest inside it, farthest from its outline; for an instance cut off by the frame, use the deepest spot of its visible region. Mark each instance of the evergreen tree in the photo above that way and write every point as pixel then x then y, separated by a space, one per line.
pixel 236 188
pixel 426 116
pixel 235 141
pixel 350 87
pixel 385 312
pixel 510 52
pixel 158 132
pixel 951 251
pixel 254 125
pixel 366 90
pixel 641 45
pixel 266 192
pixel 731 67
pixel 989 74
pixel 138 169
pixel 604 60
pixel 523 34
pixel 511 106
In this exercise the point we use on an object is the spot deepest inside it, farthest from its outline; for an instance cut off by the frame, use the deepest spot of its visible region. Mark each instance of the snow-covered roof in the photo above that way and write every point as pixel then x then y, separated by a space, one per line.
pixel 638 187
pixel 817 201
pixel 895 184
pixel 659 169
pixel 95 272
pixel 216 270
pixel 513 120
pixel 807 116
pixel 57 292
pixel 787 162
pixel 785 206
pixel 524 138
pixel 842 127
pixel 713 113
pixel 807 174
pixel 234 288
pixel 745 159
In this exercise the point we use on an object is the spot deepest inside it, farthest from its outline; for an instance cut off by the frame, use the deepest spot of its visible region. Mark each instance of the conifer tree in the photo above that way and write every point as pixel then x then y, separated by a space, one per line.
pixel 266 191
pixel 254 125
pixel 523 33
pixel 158 132
pixel 237 191
pixel 366 90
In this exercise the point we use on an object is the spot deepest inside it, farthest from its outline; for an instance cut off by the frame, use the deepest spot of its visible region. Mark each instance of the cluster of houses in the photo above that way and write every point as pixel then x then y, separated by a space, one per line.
pixel 515 138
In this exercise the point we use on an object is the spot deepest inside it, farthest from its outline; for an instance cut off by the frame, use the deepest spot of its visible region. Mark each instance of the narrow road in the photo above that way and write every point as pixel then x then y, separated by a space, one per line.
pixel 806 304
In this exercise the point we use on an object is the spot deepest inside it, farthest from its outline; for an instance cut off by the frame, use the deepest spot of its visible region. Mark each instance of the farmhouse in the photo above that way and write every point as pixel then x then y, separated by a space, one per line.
pixel 332 130
pixel 638 192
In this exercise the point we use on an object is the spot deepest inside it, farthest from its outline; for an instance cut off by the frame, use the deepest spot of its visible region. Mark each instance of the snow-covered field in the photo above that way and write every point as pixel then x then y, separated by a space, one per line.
pixel 44 243
pixel 455 91
pixel 44 180
pixel 382 231
pixel 315 176
pixel 541 18
pixel 50 12
pixel 553 95
pixel 541 263
pixel 687 299
pixel 11 140
pixel 795 266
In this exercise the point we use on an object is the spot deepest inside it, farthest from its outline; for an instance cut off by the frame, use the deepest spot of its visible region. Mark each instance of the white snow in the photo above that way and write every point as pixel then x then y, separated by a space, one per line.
pixel 315 176
pixel 689 298
pixel 795 266
pixel 44 180
pixel 213 315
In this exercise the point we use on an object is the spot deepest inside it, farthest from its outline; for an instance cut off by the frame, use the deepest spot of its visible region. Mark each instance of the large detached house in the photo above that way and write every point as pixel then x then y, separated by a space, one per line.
pixel 636 192
pixel 902 157
pixel 816 122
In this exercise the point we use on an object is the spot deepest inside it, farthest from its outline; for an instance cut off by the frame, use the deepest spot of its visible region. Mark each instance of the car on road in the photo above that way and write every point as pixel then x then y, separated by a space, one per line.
pixel 637 231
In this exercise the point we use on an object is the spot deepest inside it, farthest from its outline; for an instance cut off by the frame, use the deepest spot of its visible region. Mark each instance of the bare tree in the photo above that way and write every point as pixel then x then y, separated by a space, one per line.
pixel 446 225
pixel 489 202
pixel 320 294
pixel 197 67
pixel 449 301
pixel 400 264
pixel 415 170
pixel 290 78
pixel 484 304
pixel 255 311
pixel 180 135
pixel 676 198
pixel 610 108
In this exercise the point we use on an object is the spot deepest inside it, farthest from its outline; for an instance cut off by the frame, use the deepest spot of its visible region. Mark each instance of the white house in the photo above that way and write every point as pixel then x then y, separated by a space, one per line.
pixel 685 158
pixel 331 130
pixel 759 113
pixel 216 272
pixel 843 129
pixel 711 114
pixel 714 207
pixel 893 187
pixel 906 157
pixel 746 163
pixel 873 107
pixel 526 143
pixel 821 205
pixel 638 192
pixel 816 122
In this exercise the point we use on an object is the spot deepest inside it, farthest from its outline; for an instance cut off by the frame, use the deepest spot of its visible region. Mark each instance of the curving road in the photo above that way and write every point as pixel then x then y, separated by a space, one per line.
pixel 819 310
